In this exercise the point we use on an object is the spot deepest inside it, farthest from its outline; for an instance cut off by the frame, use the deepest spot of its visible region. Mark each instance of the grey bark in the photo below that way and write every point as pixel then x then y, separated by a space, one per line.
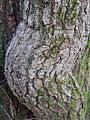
pixel 46 64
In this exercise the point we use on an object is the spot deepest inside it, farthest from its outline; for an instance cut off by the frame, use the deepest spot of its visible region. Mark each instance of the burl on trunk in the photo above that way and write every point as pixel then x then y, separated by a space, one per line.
pixel 47 62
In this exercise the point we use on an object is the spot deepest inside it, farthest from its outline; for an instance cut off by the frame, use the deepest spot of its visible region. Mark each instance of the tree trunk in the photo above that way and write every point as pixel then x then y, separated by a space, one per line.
pixel 47 62
pixel 9 12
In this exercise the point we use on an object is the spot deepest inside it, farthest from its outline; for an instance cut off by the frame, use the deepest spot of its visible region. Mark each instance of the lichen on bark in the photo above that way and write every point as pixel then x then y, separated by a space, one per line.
pixel 44 64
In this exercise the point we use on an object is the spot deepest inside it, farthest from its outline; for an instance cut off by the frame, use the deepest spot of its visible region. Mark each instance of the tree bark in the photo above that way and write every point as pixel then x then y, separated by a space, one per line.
pixel 11 17
pixel 9 12
pixel 47 62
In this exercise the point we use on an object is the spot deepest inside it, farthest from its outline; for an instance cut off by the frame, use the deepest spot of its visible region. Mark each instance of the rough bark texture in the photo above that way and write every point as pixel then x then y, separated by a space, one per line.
pixel 46 64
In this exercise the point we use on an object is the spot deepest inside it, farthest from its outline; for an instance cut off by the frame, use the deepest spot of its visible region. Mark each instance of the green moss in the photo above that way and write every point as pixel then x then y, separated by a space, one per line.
pixel 74 16
pixel 73 105
pixel 82 78
pixel 46 98
pixel 30 59
pixel 59 12
pixel 88 104
pixel 43 42
pixel 43 54
pixel 32 11
pixel 60 104
pixel 40 92
pixel 55 117
pixel 85 106
pixel 69 16
pixel 54 45
pixel 38 26
pixel 75 2
pixel 73 115
pixel 42 100
pixel 88 44
pixel 51 100
pixel 54 50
